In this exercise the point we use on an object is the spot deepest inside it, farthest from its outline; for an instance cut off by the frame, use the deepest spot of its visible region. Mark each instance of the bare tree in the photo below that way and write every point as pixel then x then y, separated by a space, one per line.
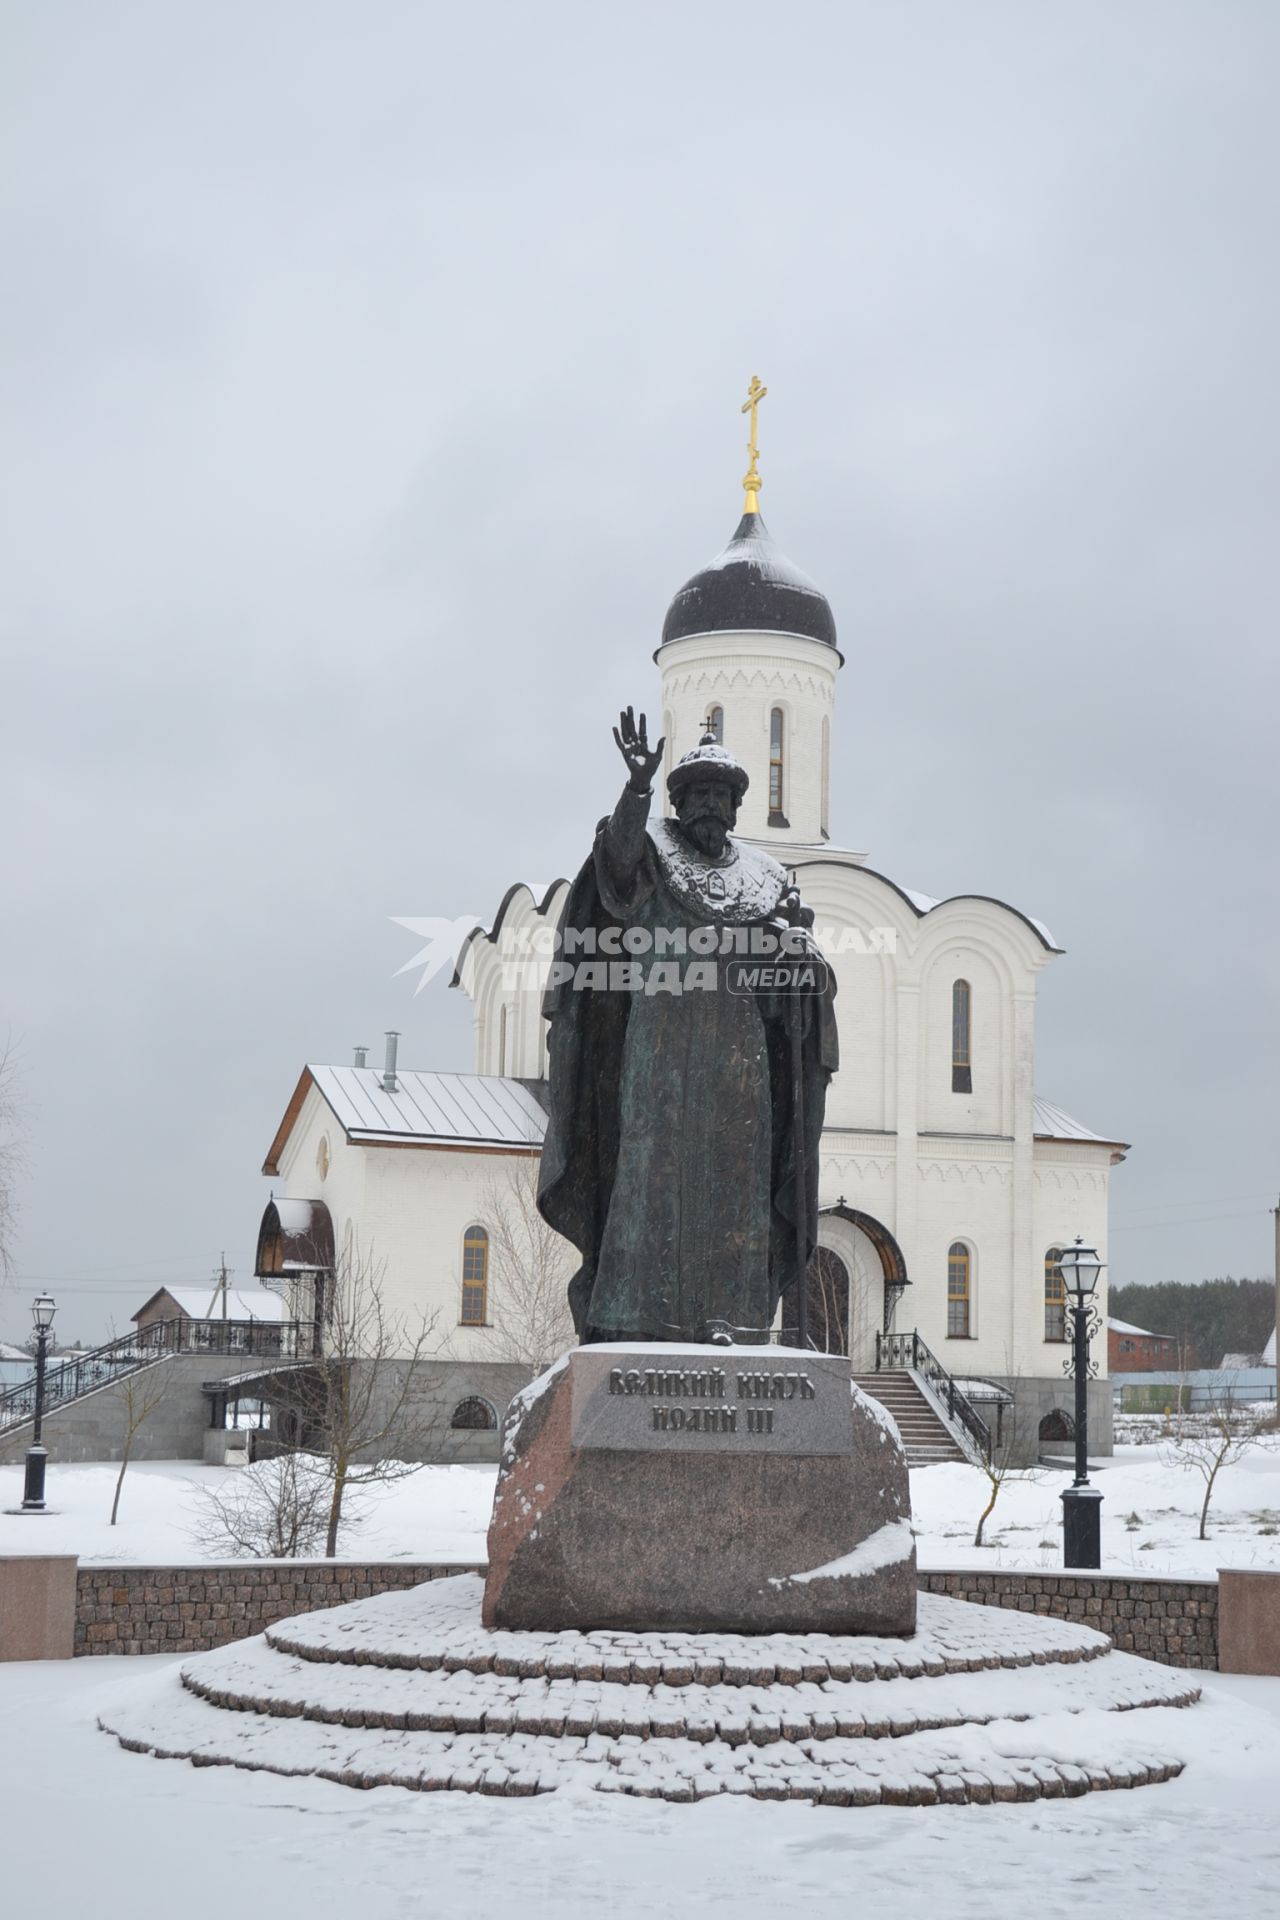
pixel 1178 1407
pixel 140 1396
pixel 529 1270
pixel 996 1470
pixel 12 1152
pixel 277 1509
pixel 996 1463
pixel 1214 1437
pixel 363 1403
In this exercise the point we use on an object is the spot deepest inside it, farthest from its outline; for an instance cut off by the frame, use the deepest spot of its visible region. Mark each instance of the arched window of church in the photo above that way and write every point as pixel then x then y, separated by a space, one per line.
pixel 1055 1297
pixel 825 821
pixel 475 1277
pixel 959 1290
pixel 502 1040
pixel 777 767
pixel 961 1065
pixel 715 725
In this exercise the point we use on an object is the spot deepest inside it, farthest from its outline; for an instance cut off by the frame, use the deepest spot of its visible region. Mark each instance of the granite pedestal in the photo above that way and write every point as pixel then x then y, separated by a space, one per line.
pixel 748 1489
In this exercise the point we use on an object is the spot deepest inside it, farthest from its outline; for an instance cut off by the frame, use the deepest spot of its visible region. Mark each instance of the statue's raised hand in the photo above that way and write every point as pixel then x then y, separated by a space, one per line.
pixel 633 744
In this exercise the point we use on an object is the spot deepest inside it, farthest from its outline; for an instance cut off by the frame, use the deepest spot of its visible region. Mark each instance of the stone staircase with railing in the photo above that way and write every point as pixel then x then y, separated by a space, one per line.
pixel 935 1418
pixel 925 1439
pixel 69 1381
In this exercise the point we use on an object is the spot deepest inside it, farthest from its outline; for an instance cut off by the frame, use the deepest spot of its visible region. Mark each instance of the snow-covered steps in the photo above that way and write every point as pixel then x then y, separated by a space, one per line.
pixel 250 1677
pixel 438 1626
pixel 408 1689
pixel 926 1439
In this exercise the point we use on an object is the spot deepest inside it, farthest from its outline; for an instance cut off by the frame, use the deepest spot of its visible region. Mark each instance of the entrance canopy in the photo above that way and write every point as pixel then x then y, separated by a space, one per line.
pixel 296 1236
pixel 891 1255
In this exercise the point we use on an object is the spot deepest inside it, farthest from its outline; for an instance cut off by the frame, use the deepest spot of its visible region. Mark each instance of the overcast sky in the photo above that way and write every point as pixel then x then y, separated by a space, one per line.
pixel 371 382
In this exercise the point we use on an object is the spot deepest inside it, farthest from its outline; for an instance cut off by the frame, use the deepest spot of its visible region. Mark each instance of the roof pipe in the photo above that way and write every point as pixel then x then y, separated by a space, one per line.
pixel 389 1071
pixel 362 1057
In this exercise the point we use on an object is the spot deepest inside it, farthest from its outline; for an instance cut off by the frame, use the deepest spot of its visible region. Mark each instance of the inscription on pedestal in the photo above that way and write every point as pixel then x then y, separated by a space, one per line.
pixel 701 1487
pixel 788 1402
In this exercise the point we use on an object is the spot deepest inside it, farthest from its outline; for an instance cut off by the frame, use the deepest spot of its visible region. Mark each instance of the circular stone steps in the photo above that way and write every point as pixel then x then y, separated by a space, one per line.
pixel 409 1689
pixel 440 1627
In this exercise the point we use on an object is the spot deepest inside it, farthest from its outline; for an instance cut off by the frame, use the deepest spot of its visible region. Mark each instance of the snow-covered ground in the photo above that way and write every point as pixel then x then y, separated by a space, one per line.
pixel 435 1513
pixel 160 1837
pixel 1179 1850
pixel 1150 1515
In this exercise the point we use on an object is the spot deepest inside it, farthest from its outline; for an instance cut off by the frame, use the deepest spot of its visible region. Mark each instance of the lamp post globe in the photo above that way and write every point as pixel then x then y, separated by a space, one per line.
pixel 1081 1503
pixel 43 1309
pixel 1080 1267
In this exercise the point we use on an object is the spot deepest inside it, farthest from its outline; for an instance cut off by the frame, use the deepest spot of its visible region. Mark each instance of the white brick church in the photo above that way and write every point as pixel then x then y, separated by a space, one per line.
pixel 947 1184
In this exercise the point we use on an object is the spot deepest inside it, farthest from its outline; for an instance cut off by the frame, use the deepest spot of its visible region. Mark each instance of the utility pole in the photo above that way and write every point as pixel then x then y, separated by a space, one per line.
pixel 220 1285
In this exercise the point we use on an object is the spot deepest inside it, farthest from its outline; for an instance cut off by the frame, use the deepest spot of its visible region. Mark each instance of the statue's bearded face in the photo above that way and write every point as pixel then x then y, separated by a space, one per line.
pixel 707 812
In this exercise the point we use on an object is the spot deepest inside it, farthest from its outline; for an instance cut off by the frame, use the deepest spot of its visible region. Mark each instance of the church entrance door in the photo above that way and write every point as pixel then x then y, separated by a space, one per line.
pixel 866 1305
pixel 828 1302
pixel 858 1270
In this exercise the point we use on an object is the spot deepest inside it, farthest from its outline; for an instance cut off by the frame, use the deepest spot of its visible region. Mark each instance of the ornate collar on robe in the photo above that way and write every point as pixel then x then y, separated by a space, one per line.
pixel 746 884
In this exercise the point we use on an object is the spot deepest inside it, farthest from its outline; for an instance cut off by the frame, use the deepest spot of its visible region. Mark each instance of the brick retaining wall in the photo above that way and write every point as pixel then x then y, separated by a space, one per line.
pixel 188 1609
pixel 1173 1621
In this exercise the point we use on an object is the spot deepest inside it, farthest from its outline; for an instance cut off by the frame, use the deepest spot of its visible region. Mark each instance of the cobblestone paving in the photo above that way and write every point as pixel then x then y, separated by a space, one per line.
pixel 409 1689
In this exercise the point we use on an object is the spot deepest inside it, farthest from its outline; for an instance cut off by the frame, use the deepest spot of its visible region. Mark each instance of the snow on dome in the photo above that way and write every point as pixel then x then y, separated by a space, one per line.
pixel 750 587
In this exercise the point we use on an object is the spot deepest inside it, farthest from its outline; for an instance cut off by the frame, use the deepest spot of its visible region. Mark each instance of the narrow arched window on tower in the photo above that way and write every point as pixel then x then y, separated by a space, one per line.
pixel 715 725
pixel 475 1276
pixel 825 801
pixel 961 1066
pixel 777 764
pixel 1055 1297
pixel 502 1040
pixel 959 1277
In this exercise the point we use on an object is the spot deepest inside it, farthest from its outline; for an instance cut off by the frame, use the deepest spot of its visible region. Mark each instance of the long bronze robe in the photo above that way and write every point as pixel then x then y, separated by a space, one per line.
pixel 669 1159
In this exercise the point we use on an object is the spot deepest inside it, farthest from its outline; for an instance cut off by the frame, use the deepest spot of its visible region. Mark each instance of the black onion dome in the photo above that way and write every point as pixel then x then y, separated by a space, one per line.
pixel 750 588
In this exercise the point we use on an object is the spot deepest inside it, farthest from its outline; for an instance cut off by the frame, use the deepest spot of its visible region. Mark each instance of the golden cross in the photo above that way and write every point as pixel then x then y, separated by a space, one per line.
pixel 751 479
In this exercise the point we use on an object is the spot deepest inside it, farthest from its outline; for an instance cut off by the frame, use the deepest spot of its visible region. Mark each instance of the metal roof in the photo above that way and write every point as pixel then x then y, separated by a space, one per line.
pixel 243 1303
pixel 489 1109
pixel 1054 1123
pixel 268 1370
pixel 481 1109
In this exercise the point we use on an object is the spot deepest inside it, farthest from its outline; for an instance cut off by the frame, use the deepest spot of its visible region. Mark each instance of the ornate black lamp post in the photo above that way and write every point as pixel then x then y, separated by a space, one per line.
pixel 1081 1503
pixel 42 1312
